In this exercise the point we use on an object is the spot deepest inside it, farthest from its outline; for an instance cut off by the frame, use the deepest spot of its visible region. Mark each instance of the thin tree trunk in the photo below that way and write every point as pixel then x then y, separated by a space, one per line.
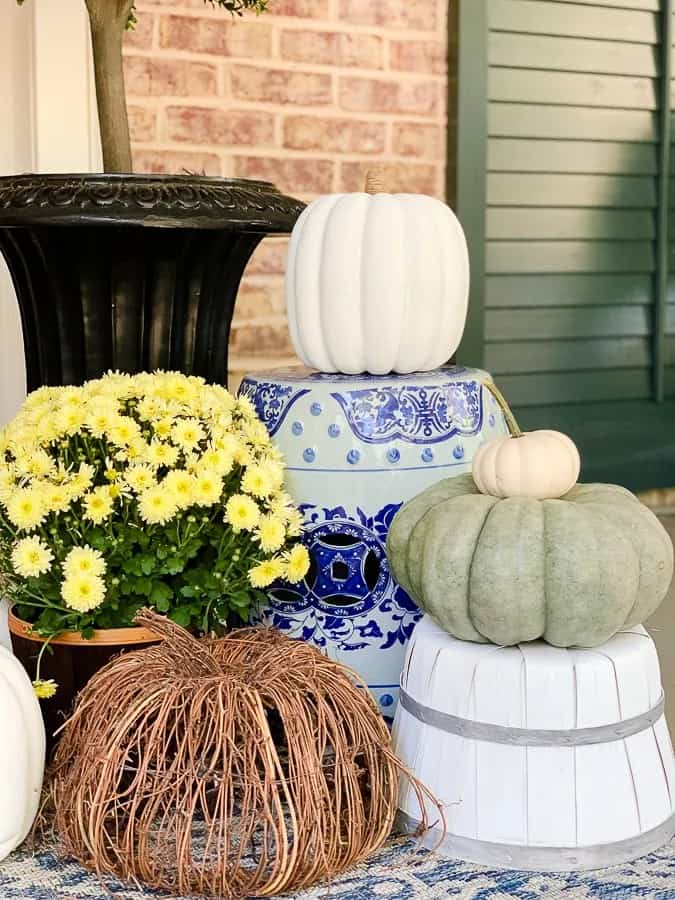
pixel 107 20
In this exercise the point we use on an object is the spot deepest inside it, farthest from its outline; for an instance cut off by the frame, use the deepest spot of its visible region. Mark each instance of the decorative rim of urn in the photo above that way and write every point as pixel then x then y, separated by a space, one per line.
pixel 154 201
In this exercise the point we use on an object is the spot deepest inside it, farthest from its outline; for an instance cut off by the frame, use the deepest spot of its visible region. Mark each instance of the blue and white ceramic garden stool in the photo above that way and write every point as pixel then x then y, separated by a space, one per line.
pixel 356 448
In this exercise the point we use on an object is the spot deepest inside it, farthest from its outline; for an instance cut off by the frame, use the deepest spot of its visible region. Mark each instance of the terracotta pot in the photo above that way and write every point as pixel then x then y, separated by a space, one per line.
pixel 71 662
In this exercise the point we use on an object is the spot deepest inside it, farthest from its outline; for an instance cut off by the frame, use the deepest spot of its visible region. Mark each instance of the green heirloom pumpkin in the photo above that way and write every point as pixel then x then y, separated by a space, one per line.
pixel 573 570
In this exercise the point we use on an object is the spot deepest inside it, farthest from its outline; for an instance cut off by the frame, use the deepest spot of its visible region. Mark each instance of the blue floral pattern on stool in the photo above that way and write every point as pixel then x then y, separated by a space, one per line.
pixel 348 599
pixel 414 414
pixel 272 402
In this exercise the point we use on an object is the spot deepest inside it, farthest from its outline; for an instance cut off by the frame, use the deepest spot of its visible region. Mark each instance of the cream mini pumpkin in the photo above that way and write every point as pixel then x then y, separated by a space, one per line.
pixel 542 464
pixel 377 283
pixel 22 753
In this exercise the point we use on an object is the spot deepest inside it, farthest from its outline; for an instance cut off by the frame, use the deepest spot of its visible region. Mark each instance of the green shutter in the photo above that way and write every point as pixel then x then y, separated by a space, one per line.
pixel 564 186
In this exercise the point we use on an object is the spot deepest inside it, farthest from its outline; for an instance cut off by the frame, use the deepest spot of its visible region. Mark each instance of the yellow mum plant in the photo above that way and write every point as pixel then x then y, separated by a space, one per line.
pixel 141 490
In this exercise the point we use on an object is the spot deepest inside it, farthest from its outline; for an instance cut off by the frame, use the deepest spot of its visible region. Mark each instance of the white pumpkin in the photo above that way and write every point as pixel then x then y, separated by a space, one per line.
pixel 22 753
pixel 539 464
pixel 377 283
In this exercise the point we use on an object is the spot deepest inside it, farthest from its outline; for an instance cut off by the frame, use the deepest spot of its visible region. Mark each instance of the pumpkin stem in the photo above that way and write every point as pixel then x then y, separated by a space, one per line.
pixel 374 183
pixel 190 652
pixel 511 423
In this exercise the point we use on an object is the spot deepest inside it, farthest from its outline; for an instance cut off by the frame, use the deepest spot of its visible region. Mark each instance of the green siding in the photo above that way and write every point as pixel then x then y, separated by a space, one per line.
pixel 564 182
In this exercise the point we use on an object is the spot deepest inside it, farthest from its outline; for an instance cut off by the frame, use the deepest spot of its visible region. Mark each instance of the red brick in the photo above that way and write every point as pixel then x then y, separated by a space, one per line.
pixel 294 176
pixel 200 125
pixel 334 135
pixel 305 9
pixel 429 57
pixel 390 96
pixel 407 178
pixel 269 257
pixel 172 163
pixel 418 14
pixel 255 299
pixel 142 123
pixel 253 340
pixel 280 86
pixel 418 139
pixel 219 37
pixel 149 77
pixel 332 48
pixel 140 38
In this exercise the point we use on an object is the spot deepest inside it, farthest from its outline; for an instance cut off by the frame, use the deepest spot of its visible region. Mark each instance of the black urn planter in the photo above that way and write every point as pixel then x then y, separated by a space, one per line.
pixel 131 272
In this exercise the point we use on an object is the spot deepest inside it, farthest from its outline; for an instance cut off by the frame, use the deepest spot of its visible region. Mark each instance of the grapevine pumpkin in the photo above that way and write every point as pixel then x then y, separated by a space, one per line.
pixel 377 283
pixel 572 571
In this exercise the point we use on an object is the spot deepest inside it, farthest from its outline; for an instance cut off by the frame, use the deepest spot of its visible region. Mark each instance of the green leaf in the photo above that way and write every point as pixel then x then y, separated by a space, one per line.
pixel 181 615
pixel 159 596
pixel 174 565
pixel 147 564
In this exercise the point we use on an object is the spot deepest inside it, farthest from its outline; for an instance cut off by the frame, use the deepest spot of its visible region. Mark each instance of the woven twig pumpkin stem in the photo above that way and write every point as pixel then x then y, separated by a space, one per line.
pixel 192 653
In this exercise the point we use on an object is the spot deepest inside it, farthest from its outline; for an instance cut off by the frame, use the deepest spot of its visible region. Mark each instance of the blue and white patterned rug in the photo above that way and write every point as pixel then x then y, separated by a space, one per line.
pixel 395 873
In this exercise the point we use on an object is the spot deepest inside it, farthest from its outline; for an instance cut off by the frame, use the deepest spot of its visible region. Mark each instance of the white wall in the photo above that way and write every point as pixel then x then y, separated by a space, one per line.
pixel 48 111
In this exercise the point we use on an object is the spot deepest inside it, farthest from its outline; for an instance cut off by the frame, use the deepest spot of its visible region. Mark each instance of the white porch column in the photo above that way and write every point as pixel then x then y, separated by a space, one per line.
pixel 48 111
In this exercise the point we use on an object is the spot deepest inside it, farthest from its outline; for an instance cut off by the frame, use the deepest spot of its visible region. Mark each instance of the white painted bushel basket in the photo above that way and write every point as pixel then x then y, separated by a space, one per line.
pixel 543 758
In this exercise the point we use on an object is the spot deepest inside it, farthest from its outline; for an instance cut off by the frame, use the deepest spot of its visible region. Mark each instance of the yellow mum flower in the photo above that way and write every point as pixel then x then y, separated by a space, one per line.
pixel 83 592
pixel 38 463
pixel 266 572
pixel 44 688
pixel 149 408
pixel 84 561
pixel 41 395
pixel 135 451
pixel 246 409
pixel 70 419
pixel 242 512
pixel 180 486
pixel 140 478
pixel 275 473
pixel 224 440
pixel 100 418
pixel 157 506
pixel 160 454
pixel 256 433
pixel 187 433
pixel 295 523
pixel 31 557
pixel 218 460
pixel 98 505
pixel 7 483
pixel 208 486
pixel 123 431
pixel 163 427
pixel 180 388
pixel 257 481
pixel 26 508
pixel 297 563
pixel 56 497
pixel 82 481
pixel 271 533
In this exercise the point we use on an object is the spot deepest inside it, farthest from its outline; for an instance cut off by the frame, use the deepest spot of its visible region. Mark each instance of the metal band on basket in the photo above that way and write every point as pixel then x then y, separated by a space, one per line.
pixel 531 737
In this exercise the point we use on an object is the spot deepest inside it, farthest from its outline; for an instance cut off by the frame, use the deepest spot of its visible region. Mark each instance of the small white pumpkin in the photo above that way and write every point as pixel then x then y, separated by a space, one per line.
pixel 540 464
pixel 22 753
pixel 377 283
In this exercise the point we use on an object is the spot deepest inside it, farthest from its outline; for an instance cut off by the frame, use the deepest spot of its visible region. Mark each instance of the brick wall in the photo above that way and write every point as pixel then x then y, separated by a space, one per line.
pixel 308 96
